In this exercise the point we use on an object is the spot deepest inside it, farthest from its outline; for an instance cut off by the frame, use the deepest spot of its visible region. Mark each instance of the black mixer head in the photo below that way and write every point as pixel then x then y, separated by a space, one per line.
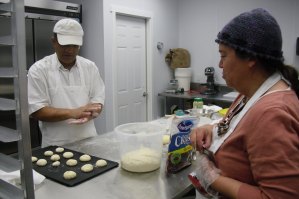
pixel 209 71
pixel 211 90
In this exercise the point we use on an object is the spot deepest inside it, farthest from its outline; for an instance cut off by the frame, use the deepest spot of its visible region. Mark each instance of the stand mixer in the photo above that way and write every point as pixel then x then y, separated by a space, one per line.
pixel 211 90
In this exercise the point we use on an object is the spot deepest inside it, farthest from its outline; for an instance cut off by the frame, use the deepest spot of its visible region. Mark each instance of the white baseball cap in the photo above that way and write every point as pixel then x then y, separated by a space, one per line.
pixel 69 32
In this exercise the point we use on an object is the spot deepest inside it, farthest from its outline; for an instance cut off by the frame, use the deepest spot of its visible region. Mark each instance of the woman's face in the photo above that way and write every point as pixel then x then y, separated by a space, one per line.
pixel 235 69
pixel 65 53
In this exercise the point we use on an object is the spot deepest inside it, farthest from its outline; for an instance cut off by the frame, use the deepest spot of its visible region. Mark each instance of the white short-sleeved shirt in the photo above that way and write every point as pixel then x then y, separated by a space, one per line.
pixel 40 80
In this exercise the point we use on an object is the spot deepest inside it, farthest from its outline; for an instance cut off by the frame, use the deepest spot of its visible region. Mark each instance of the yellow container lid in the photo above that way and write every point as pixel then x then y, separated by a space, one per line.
pixel 223 111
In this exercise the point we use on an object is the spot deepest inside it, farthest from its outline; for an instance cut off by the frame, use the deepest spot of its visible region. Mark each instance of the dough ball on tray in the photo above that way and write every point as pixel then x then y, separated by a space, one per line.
pixel 101 163
pixel 87 168
pixel 56 164
pixel 59 150
pixel 48 153
pixel 68 155
pixel 55 157
pixel 85 158
pixel 71 162
pixel 33 159
pixel 68 175
pixel 41 162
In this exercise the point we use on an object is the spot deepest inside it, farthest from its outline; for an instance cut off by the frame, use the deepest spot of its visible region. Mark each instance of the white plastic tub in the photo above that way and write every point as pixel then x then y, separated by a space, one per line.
pixel 140 146
pixel 183 75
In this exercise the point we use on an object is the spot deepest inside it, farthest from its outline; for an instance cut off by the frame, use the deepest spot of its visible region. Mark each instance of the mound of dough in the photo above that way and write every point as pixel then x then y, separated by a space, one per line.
pixel 68 175
pixel 166 139
pixel 68 154
pixel 41 162
pixel 141 160
pixel 48 153
pixel 59 149
pixel 101 163
pixel 55 157
pixel 33 159
pixel 87 168
pixel 85 158
pixel 71 162
pixel 56 164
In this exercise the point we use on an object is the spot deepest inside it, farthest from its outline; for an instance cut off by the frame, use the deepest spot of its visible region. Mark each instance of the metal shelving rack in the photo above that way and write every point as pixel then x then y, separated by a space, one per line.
pixel 16 40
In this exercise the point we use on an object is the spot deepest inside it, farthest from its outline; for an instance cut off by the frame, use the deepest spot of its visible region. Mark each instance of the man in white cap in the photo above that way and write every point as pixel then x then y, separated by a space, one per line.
pixel 65 90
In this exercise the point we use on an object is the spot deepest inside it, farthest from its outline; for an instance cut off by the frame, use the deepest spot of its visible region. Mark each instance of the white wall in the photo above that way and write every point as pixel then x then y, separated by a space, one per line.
pixel 165 29
pixel 201 20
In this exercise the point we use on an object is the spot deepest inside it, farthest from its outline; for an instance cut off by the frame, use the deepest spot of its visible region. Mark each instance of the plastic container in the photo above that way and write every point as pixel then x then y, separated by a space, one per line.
pixel 198 103
pixel 140 146
pixel 197 108
pixel 173 84
pixel 183 75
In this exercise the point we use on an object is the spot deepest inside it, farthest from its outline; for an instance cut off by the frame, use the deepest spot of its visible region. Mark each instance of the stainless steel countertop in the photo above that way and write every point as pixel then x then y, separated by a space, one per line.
pixel 118 183
pixel 186 95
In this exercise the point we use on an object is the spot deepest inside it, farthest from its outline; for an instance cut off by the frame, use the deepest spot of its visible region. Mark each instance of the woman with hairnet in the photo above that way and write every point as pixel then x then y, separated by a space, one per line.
pixel 256 144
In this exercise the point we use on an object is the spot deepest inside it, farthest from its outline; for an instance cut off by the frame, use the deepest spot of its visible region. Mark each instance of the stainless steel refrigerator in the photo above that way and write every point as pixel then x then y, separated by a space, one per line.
pixel 41 16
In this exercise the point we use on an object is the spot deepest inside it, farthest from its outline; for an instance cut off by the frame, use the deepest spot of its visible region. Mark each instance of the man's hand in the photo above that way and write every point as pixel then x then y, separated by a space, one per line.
pixel 51 114
pixel 87 113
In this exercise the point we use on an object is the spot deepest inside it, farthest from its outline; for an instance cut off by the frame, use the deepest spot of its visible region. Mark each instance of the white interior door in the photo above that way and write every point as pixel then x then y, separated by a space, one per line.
pixel 130 70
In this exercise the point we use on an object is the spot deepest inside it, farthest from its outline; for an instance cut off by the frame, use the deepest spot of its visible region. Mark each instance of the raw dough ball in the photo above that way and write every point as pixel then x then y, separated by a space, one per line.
pixel 59 149
pixel 41 162
pixel 68 154
pixel 56 164
pixel 85 158
pixel 33 159
pixel 87 168
pixel 68 175
pixel 55 157
pixel 166 139
pixel 141 160
pixel 48 153
pixel 101 163
pixel 71 162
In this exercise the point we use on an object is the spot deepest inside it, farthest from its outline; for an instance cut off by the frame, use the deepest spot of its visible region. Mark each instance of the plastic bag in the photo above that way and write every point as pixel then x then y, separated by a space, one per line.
pixel 180 148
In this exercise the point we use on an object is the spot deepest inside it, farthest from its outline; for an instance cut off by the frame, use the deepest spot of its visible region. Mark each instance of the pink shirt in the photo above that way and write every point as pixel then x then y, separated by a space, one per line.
pixel 263 151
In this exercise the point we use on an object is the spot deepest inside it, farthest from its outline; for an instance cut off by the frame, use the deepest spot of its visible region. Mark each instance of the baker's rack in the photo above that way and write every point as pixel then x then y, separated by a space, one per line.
pixel 16 40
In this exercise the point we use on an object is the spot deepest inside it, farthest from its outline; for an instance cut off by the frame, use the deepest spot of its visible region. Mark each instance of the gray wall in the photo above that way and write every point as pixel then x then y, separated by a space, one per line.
pixel 191 24
pixel 201 20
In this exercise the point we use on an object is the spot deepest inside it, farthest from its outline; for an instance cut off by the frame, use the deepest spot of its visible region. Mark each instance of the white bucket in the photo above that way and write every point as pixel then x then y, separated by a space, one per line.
pixel 183 75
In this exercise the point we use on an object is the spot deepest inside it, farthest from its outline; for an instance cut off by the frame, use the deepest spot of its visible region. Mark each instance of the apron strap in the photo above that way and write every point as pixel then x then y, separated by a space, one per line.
pixel 218 140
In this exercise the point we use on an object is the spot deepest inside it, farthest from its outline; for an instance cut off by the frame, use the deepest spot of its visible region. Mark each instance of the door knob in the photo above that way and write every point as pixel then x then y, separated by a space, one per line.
pixel 144 94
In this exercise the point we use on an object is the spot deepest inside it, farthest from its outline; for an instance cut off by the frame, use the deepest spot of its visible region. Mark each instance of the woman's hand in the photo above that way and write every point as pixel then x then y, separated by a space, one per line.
pixel 201 137
pixel 206 174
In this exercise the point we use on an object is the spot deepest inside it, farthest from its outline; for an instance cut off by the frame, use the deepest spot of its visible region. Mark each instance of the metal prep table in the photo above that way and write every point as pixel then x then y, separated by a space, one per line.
pixel 118 183
pixel 184 100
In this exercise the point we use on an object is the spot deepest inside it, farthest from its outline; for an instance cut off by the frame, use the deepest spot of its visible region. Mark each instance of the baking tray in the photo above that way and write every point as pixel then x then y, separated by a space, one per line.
pixel 56 173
